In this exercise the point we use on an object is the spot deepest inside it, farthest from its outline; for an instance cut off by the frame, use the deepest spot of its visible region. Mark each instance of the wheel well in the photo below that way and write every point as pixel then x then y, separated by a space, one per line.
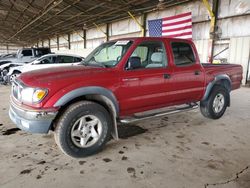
pixel 16 71
pixel 100 99
pixel 225 83
pixel 221 82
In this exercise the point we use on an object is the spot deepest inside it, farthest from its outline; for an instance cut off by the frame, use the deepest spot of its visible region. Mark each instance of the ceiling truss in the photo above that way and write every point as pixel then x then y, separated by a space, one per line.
pixel 27 21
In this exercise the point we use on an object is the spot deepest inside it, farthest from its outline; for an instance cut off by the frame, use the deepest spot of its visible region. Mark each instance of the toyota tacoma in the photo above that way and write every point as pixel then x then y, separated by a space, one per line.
pixel 121 81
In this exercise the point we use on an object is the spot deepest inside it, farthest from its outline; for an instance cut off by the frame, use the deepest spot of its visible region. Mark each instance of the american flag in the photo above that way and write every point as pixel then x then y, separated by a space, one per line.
pixel 179 26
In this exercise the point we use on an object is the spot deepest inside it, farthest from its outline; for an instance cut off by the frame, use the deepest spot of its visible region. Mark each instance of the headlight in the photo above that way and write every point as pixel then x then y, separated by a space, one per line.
pixel 33 95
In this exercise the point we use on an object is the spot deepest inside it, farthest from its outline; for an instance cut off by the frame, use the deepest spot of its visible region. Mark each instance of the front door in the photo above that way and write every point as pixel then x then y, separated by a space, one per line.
pixel 27 56
pixel 146 86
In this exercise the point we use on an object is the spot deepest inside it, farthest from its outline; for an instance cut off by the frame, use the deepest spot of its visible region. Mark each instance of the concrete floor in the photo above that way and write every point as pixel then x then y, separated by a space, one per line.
pixel 179 151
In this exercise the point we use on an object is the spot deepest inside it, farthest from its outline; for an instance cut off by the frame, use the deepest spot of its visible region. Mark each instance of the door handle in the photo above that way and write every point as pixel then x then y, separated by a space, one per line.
pixel 167 76
pixel 130 79
pixel 197 72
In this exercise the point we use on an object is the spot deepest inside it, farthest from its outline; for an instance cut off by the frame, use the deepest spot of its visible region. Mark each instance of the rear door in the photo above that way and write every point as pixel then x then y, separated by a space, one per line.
pixel 188 75
pixel 64 60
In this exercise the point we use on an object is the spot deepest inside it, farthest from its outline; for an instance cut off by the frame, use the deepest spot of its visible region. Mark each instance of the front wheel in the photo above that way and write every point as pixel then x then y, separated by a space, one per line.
pixel 83 129
pixel 215 106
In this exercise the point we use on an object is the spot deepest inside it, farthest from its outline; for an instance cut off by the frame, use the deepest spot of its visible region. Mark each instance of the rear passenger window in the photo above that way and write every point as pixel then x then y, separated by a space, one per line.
pixel 65 59
pixel 183 54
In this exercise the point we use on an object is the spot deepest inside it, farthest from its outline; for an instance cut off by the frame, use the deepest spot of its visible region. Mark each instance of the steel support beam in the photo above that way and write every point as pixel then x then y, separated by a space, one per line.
pixel 213 16
pixel 85 39
pixel 137 22
pixel 49 43
pixel 144 22
pixel 107 32
pixel 100 29
pixel 69 42
pixel 57 42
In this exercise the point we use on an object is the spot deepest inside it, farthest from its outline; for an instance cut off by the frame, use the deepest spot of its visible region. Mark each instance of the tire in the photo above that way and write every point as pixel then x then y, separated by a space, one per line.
pixel 215 106
pixel 83 129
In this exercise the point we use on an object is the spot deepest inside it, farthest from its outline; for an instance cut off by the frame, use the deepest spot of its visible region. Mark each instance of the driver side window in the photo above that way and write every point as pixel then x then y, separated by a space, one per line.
pixel 46 61
pixel 150 54
pixel 26 53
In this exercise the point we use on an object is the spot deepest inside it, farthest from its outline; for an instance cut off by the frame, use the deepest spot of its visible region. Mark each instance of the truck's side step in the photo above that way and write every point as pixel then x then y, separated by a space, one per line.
pixel 157 113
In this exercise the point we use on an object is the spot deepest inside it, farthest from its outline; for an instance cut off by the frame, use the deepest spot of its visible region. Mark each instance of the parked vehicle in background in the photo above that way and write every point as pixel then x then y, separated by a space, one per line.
pixel 123 81
pixel 5 60
pixel 27 55
pixel 46 61
pixel 5 56
pixel 22 56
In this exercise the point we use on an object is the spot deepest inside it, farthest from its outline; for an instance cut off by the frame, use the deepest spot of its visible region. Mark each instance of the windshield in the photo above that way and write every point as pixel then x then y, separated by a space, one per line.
pixel 36 60
pixel 108 54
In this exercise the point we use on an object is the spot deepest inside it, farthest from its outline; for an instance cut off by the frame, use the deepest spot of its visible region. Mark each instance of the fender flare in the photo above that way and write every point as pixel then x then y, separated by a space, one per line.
pixel 92 90
pixel 216 80
pixel 106 95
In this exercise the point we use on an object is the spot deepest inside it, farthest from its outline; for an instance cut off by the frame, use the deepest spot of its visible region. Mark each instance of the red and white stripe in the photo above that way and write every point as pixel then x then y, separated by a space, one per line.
pixel 179 26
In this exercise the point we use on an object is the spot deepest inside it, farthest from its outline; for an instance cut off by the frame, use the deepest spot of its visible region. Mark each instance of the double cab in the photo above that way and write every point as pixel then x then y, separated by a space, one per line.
pixel 123 80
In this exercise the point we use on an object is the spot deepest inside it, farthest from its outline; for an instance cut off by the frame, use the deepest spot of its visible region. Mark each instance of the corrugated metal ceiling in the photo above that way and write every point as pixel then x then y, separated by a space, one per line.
pixel 26 21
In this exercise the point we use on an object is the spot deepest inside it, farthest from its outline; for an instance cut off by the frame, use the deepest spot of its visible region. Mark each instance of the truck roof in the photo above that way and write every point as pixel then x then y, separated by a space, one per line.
pixel 35 48
pixel 61 54
pixel 143 38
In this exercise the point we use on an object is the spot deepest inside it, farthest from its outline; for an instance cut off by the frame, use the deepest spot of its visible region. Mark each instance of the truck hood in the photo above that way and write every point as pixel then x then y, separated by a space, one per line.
pixel 6 65
pixel 8 59
pixel 66 74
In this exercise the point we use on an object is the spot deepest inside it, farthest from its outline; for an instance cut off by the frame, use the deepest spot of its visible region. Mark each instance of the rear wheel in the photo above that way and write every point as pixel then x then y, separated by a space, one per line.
pixel 215 106
pixel 83 129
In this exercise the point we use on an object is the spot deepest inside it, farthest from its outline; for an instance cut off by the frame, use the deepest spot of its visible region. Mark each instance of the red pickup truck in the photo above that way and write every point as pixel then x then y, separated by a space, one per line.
pixel 123 80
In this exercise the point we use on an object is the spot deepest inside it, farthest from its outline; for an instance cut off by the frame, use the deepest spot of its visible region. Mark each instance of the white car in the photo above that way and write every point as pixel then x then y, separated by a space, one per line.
pixel 46 61
pixel 22 56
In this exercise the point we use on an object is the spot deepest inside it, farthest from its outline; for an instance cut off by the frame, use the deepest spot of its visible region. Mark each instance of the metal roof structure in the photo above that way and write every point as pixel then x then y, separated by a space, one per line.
pixel 27 21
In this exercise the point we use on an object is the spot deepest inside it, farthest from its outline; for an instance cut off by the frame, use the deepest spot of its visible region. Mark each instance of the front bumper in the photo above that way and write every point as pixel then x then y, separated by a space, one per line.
pixel 31 120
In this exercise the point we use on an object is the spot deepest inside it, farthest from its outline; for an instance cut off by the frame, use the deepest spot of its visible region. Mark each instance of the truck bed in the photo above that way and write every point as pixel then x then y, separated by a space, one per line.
pixel 232 70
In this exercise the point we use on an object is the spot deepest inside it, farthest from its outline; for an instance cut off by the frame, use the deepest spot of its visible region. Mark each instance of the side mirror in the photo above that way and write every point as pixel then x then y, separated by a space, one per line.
pixel 20 55
pixel 134 63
